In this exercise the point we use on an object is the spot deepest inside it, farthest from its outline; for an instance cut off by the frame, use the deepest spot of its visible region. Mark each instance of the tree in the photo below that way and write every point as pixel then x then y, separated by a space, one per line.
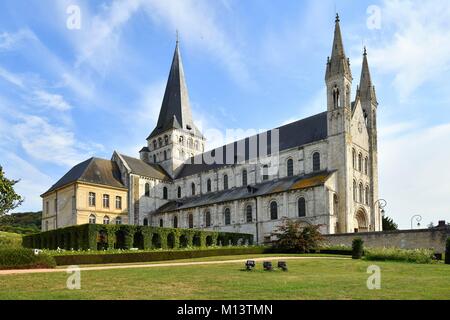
pixel 389 224
pixel 9 199
pixel 292 236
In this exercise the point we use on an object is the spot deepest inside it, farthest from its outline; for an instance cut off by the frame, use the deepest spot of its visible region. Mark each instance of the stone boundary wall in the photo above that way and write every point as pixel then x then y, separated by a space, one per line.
pixel 405 239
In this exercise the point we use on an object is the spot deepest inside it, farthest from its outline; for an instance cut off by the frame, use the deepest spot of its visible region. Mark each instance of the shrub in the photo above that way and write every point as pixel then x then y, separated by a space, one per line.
pixel 396 254
pixel 447 251
pixel 293 237
pixel 149 256
pixel 357 248
pixel 10 240
pixel 24 259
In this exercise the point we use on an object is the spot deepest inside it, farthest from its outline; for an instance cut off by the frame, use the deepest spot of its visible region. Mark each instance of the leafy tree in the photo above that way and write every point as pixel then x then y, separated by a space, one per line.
pixel 9 199
pixel 389 224
pixel 292 236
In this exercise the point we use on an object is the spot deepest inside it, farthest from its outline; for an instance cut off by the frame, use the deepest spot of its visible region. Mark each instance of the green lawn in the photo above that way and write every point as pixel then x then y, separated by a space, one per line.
pixel 306 279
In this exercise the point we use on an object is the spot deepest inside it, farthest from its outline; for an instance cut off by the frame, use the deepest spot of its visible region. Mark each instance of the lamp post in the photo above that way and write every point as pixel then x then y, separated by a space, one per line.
pixel 418 218
pixel 381 205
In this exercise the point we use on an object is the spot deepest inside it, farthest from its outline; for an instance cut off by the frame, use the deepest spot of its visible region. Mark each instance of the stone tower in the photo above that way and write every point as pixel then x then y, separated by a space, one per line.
pixel 175 138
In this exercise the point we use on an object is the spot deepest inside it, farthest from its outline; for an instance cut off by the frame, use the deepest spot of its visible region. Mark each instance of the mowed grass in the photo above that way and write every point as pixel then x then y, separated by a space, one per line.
pixel 306 279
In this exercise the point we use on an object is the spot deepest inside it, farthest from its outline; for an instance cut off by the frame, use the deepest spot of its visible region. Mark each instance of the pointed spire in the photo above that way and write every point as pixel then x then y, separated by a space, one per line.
pixel 366 89
pixel 175 108
pixel 338 63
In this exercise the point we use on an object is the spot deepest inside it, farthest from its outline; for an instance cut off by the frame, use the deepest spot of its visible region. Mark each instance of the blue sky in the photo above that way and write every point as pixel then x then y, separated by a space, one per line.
pixel 66 95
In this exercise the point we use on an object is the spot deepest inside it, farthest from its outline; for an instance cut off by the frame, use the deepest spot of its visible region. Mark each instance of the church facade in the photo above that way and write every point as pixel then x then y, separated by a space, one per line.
pixel 321 170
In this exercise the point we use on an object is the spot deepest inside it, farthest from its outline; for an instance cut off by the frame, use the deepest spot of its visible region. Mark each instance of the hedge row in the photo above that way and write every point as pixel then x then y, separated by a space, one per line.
pixel 151 256
pixel 24 259
pixel 102 237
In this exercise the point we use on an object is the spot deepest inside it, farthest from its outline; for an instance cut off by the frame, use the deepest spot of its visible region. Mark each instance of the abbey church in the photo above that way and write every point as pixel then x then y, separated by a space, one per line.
pixel 321 170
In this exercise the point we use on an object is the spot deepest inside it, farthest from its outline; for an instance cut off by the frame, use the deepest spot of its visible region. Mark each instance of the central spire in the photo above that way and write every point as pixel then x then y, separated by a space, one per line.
pixel 175 109
pixel 338 64
pixel 366 89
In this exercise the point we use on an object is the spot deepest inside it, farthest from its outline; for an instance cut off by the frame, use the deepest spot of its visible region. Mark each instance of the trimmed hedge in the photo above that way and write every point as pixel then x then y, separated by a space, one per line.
pixel 102 237
pixel 357 248
pixel 396 254
pixel 24 259
pixel 151 256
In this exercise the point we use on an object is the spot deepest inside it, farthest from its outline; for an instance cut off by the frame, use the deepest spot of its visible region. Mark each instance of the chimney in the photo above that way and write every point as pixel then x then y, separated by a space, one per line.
pixel 441 224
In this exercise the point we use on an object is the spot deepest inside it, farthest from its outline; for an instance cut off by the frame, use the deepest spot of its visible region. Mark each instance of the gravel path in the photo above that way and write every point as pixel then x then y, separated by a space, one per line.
pixel 149 265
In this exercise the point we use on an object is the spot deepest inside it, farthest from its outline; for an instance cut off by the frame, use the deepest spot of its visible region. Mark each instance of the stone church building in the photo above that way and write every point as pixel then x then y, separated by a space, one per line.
pixel 320 170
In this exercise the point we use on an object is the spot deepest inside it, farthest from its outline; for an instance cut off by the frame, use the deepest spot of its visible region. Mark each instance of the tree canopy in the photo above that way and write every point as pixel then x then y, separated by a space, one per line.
pixel 9 199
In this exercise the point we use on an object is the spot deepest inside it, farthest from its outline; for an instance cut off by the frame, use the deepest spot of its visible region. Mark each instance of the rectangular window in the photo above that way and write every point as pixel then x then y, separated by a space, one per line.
pixel 118 202
pixel 91 199
pixel 105 201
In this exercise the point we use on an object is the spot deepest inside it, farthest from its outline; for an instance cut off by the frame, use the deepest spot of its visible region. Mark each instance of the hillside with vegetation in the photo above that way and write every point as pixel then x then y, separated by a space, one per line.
pixel 22 222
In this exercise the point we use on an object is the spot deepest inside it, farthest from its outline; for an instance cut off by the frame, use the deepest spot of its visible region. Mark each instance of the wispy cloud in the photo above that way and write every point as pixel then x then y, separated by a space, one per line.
pixel 49 100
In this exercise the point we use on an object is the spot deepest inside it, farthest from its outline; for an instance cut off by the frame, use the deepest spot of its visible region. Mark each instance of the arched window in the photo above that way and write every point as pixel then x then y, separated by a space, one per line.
pixel 244 178
pixel 166 139
pixel 161 223
pixel 92 219
pixel 354 158
pixel 208 185
pixel 145 222
pixel 227 215
pixel 165 196
pixel 249 214
pixel 361 193
pixel 160 142
pixel 273 210
pixel 367 196
pixel 165 155
pixel 335 204
pixel 179 192
pixel 155 144
pixel 316 161
pixel 336 100
pixel 355 192
pixel 360 162
pixel 105 220
pixel 207 219
pixel 191 220
pixel 193 188
pixel 366 166
pixel 181 140
pixel 154 158
pixel 265 172
pixel 225 182
pixel 118 220
pixel 147 190
pixel 290 167
pixel 175 221
pixel 301 207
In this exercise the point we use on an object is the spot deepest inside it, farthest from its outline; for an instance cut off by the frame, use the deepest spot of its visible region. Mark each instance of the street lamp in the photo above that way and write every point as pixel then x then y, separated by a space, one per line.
pixel 381 204
pixel 418 218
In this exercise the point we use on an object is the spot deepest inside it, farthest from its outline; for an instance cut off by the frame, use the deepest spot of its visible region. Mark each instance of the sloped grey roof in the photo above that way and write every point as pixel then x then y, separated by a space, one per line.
pixel 265 188
pixel 292 135
pixel 145 169
pixel 94 170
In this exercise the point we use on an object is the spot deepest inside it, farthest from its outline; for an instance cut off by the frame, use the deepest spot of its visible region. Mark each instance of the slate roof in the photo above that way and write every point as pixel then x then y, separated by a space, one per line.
pixel 94 170
pixel 265 188
pixel 292 135
pixel 145 169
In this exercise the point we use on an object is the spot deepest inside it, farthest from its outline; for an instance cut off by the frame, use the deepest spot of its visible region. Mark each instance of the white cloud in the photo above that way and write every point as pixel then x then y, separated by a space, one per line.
pixel 11 77
pixel 9 41
pixel 416 45
pixel 414 177
pixel 49 100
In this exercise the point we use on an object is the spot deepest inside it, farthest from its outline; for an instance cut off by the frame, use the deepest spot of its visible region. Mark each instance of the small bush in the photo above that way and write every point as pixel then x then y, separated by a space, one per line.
pixel 447 251
pixel 292 236
pixel 10 240
pixel 24 259
pixel 357 248
pixel 395 254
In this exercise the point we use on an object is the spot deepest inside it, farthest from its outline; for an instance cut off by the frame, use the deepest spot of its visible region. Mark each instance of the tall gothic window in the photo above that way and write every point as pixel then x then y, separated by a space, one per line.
pixel 244 178
pixel 227 215
pixel 361 193
pixel 336 97
pixel 165 196
pixel 354 158
pixel 360 162
pixel 335 204
pixel 208 185
pixel 175 221
pixel 179 192
pixel 165 155
pixel 155 145
pixel 160 142
pixel 207 219
pixel 147 190
pixel 225 182
pixel 366 166
pixel 290 168
pixel 166 139
pixel 273 210
pixel 265 172
pixel 191 220
pixel 316 161
pixel 193 188
pixel 154 158
pixel 301 207
pixel 367 196
pixel 355 192
pixel 249 214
